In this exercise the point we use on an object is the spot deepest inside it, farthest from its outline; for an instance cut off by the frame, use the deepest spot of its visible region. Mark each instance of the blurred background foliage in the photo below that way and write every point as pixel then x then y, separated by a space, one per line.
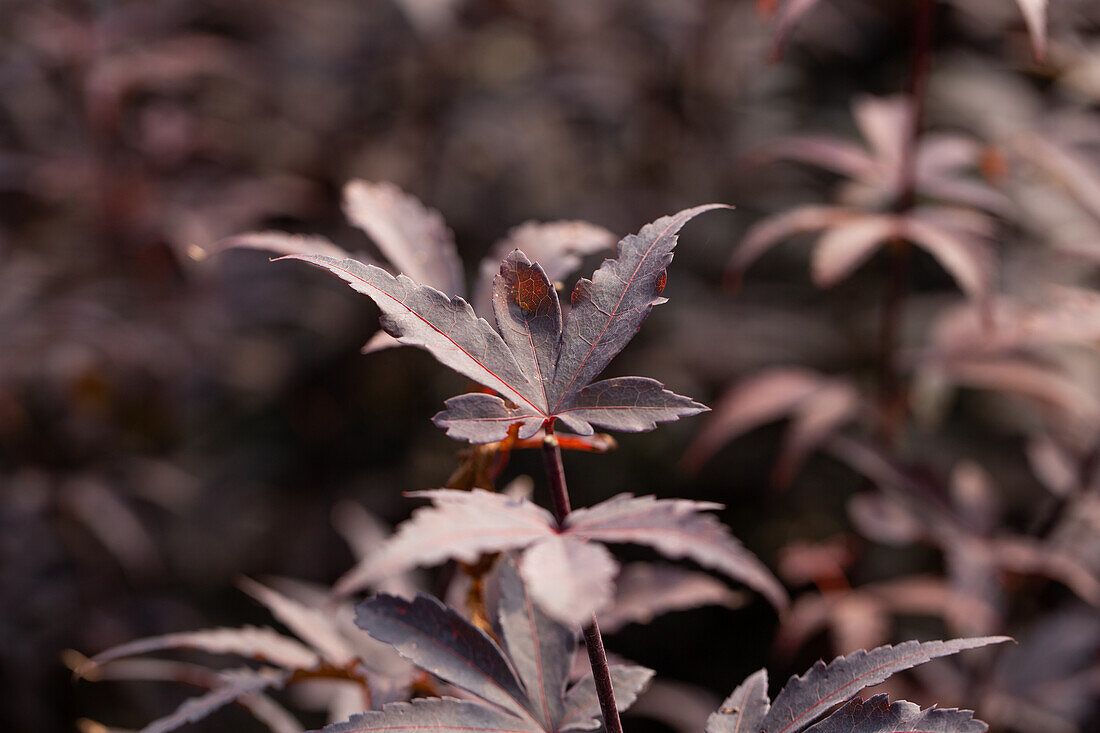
pixel 169 422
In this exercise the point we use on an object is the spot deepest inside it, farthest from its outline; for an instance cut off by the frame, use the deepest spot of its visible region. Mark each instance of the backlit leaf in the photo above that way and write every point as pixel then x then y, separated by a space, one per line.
pixel 610 308
pixel 437 639
pixel 570 579
pixel 806 698
pixel 461 525
pixel 878 715
pixel 676 528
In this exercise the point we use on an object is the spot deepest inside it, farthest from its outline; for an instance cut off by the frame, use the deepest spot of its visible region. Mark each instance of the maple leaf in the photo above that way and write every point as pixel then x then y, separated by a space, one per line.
pixel 806 698
pixel 566 567
pixel 539 364
pixel 521 686
pixel 878 715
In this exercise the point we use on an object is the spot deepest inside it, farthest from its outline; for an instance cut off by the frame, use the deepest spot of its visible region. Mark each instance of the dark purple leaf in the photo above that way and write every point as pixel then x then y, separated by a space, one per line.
pixel 529 319
pixel 461 525
pixel 434 714
pixel 438 640
pixel 676 528
pixel 582 706
pixel 539 360
pixel 808 697
pixel 485 418
pixel 744 710
pixel 541 649
pixel 610 308
pixel 631 404
pixel 878 715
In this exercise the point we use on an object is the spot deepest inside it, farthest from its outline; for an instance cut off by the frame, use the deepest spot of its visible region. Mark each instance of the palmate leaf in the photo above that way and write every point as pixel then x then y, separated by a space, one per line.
pixel 878 715
pixel 676 528
pixel 538 364
pixel 527 678
pixel 567 570
pixel 437 639
pixel 461 524
pixel 610 308
pixel 806 698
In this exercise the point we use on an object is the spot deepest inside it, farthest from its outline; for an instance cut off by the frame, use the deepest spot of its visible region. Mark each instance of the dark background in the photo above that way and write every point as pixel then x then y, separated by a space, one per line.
pixel 167 425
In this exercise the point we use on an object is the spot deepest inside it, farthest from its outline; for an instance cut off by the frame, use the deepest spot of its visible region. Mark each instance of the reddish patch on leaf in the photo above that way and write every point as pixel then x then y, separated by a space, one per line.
pixel 659 287
pixel 528 290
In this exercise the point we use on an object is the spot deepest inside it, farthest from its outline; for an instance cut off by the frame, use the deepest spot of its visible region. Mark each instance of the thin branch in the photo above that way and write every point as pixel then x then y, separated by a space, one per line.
pixel 593 641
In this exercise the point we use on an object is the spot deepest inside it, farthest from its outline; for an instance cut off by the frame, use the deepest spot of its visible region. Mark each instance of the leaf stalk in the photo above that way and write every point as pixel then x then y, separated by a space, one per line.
pixel 593 640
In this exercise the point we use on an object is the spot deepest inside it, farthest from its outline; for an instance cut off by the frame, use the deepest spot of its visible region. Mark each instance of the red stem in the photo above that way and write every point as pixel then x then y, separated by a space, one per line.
pixel 593 641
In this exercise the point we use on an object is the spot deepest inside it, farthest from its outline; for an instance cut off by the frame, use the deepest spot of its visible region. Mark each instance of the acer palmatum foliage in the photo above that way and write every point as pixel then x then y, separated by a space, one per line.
pixel 808 697
pixel 569 571
pixel 539 364
pixel 522 684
